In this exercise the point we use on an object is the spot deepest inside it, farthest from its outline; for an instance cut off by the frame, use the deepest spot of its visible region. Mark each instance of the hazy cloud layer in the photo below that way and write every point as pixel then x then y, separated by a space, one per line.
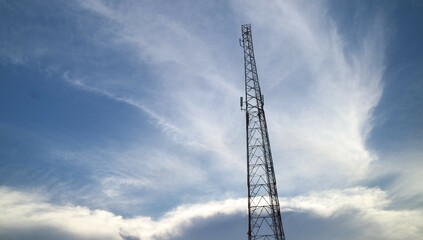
pixel 30 212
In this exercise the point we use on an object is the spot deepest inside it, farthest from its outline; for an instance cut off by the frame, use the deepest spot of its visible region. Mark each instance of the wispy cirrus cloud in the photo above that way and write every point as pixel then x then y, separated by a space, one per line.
pixel 321 92
pixel 195 88
pixel 193 95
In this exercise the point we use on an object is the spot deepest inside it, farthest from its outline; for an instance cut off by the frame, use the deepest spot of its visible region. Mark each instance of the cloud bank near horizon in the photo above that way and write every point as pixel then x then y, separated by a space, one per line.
pixel 31 213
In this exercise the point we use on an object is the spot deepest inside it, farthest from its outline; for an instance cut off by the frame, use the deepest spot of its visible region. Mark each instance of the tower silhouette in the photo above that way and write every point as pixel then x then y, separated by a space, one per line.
pixel 264 213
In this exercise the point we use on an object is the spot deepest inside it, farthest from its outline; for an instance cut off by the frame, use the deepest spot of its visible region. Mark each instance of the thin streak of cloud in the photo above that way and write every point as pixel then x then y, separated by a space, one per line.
pixel 164 125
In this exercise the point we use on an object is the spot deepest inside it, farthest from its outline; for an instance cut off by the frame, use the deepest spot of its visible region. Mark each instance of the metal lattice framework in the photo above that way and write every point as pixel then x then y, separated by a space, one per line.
pixel 264 213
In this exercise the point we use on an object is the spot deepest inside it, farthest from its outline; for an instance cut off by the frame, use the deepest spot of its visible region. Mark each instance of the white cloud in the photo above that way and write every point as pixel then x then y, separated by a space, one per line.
pixel 22 211
pixel 332 202
pixel 367 210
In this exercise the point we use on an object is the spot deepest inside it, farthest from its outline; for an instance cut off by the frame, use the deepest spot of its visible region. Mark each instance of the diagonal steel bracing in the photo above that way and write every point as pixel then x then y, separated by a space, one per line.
pixel 264 213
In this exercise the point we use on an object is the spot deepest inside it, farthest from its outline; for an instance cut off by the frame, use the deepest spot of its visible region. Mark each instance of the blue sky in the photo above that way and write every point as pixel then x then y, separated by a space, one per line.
pixel 121 120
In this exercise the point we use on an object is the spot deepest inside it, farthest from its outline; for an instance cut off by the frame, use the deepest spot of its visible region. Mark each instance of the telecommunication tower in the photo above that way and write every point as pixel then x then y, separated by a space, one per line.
pixel 264 213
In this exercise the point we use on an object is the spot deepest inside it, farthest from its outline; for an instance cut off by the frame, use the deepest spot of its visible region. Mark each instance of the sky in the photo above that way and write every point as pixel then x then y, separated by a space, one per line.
pixel 121 119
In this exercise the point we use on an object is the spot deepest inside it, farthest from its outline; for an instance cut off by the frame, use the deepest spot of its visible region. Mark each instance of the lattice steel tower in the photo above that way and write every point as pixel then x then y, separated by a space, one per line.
pixel 264 213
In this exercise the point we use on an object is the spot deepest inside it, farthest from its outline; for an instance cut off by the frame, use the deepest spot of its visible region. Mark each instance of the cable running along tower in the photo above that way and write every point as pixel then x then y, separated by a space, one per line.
pixel 265 222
